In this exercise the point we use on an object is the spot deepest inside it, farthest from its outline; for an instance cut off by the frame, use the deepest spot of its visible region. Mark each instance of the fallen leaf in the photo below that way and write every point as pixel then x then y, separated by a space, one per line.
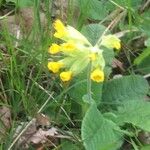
pixel 41 136
pixel 5 120
pixel 43 121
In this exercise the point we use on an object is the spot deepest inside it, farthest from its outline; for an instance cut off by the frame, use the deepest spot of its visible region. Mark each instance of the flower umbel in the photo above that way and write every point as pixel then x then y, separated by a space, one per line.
pixel 97 75
pixel 66 76
pixel 77 52
pixel 54 66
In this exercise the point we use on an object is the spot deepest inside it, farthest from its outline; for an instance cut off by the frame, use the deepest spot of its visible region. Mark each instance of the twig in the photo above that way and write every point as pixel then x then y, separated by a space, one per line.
pixel 146 76
pixel 2 17
pixel 122 33
pixel 18 34
pixel 28 81
pixel 117 4
pixel 146 4
pixel 3 91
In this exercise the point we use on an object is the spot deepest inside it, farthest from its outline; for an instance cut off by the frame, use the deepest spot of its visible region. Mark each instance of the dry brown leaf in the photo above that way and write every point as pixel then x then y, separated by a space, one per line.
pixel 43 120
pixel 5 119
pixel 34 135
pixel 41 136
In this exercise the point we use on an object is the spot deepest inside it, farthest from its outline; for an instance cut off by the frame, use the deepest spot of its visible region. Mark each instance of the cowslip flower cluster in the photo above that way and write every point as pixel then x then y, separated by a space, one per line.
pixel 76 52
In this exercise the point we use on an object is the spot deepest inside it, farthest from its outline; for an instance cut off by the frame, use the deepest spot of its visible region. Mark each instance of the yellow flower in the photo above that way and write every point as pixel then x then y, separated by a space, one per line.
pixel 58 25
pixel 111 41
pixel 69 46
pixel 68 33
pixel 54 49
pixel 54 66
pixel 66 76
pixel 92 56
pixel 60 29
pixel 97 75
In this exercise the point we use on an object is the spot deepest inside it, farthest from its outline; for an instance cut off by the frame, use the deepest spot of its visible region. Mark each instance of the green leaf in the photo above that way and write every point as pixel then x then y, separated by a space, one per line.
pixel 93 32
pixel 99 133
pixel 67 145
pixel 124 89
pixel 136 113
pixel 146 147
pixel 80 89
pixel 144 66
pixel 131 4
pixel 22 3
pixel 144 22
pixel 93 9
pixel 142 56
pixel 143 61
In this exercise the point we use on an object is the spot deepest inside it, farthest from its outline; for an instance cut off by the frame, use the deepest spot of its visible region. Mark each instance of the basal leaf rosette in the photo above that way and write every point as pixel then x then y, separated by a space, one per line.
pixel 76 52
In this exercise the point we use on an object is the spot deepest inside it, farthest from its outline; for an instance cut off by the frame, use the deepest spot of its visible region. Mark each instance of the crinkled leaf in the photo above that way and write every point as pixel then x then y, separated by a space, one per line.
pixel 136 113
pixel 124 89
pixel 134 4
pixel 93 9
pixel 93 32
pixel 99 133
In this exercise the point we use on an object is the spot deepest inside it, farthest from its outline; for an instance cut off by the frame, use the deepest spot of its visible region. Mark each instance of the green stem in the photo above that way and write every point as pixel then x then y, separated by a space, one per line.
pixel 89 84
pixel 89 93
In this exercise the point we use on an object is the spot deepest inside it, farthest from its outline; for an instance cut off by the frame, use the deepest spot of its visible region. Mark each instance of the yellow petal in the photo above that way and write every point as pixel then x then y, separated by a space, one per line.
pixel 54 49
pixel 54 66
pixel 117 45
pixel 66 76
pixel 97 75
